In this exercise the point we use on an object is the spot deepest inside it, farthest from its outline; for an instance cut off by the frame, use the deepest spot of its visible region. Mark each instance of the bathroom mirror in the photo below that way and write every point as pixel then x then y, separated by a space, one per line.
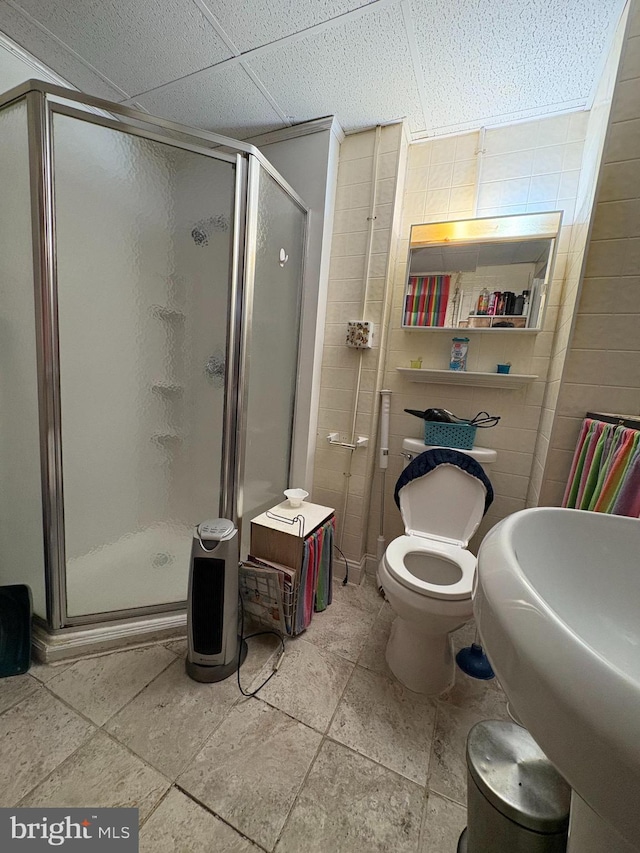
pixel 484 274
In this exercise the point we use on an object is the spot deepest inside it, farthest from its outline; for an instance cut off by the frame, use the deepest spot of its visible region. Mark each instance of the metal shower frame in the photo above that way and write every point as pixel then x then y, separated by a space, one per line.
pixel 42 101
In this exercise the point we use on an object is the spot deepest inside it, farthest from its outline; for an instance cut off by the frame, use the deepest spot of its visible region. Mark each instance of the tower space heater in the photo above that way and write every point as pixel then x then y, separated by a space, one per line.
pixel 215 650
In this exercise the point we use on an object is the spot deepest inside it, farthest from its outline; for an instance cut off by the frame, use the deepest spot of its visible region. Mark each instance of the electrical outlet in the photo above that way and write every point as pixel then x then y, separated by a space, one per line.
pixel 359 334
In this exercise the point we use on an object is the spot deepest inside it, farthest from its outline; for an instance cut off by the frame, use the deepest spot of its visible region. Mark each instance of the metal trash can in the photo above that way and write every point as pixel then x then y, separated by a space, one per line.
pixel 517 802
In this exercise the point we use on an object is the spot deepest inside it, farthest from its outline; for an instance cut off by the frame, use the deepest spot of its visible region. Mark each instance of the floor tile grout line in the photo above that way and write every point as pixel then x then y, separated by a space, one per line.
pixel 423 788
pixel 236 702
pixel 18 701
pixel 377 763
pixel 323 736
pixel 204 743
pixel 156 806
pixel 115 713
pixel 341 697
pixel 208 809
pixel 58 766
pixel 128 749
pixel 386 766
pixel 299 791
pixel 118 743
pixel 447 798
pixel 423 818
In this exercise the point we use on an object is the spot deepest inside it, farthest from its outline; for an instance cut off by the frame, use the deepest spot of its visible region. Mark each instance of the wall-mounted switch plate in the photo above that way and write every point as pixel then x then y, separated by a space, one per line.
pixel 359 334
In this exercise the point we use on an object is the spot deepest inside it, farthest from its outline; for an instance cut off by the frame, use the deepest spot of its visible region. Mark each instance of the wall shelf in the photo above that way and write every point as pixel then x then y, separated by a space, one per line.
pixel 466 377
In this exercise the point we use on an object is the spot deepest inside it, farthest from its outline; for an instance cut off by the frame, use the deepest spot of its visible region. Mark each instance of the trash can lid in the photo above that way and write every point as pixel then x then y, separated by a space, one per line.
pixel 516 777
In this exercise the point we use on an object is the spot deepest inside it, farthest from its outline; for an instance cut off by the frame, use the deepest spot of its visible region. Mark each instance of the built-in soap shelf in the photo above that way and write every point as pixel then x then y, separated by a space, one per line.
pixel 167 389
pixel 466 377
pixel 166 438
pixel 166 313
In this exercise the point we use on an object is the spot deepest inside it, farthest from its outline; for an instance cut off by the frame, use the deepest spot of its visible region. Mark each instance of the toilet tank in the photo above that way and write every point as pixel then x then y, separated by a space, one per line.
pixel 412 447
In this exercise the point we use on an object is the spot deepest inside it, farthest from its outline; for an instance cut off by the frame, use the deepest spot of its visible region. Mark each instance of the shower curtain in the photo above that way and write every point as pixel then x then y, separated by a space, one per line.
pixel 605 472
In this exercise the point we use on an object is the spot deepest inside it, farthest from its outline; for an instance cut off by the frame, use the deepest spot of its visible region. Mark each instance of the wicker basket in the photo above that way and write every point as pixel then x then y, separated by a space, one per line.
pixel 460 436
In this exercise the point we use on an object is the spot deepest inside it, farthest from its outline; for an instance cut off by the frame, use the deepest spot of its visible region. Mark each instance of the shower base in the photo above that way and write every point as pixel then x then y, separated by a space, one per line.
pixel 72 643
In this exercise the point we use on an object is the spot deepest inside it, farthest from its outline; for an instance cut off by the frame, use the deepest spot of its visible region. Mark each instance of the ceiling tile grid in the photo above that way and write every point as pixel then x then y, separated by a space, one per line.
pixel 359 71
pixel 54 55
pixel 260 22
pixel 223 99
pixel 137 45
pixel 248 66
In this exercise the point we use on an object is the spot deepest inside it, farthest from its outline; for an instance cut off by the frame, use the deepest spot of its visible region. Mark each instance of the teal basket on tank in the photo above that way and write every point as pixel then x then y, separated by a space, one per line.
pixel 460 436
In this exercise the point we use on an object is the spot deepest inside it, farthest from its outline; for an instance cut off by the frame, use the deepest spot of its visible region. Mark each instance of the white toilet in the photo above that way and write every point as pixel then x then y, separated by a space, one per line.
pixel 427 574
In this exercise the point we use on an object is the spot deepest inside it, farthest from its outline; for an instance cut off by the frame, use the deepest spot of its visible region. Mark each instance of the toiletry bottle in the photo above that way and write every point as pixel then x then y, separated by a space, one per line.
pixel 509 302
pixel 519 304
pixel 483 302
pixel 459 350
pixel 493 302
pixel 500 305
pixel 525 304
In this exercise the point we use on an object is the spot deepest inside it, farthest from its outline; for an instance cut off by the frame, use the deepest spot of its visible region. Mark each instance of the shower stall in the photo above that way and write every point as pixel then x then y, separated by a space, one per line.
pixel 150 281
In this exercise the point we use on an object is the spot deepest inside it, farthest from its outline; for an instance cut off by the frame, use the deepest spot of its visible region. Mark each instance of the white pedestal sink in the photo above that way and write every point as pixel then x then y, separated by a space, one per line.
pixel 557 603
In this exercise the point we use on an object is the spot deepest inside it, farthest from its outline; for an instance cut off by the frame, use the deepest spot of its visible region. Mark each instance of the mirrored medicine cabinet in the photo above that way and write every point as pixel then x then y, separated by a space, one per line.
pixel 487 274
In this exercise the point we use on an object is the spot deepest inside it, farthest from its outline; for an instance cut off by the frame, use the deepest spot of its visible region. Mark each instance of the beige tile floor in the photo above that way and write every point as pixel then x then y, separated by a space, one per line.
pixel 335 756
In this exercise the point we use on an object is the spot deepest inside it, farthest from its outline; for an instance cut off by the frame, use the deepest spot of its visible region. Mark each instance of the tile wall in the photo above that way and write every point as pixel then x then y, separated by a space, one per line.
pixel 601 363
pixel 351 377
pixel 527 167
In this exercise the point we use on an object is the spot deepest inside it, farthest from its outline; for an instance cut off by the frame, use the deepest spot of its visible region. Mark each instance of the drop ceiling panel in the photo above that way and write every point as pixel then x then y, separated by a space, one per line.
pixel 259 22
pixel 223 99
pixel 493 62
pixel 51 53
pixel 359 71
pixel 138 45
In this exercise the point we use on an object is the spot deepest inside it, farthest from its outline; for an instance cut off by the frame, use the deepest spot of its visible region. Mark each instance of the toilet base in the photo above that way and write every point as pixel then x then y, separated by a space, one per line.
pixel 422 662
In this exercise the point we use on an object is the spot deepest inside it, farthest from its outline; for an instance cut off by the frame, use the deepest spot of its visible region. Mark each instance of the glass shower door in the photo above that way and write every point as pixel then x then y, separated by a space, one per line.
pixel 271 346
pixel 143 248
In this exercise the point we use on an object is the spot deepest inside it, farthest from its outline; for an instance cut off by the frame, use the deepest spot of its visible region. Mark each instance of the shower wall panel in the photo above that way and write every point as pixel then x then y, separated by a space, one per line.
pixel 21 531
pixel 203 213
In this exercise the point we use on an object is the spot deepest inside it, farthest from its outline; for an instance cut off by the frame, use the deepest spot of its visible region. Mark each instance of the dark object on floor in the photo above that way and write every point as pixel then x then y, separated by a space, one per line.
pixel 15 629
pixel 473 661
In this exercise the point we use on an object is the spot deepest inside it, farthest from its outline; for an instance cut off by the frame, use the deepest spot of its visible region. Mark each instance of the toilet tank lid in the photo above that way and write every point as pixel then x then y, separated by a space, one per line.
pixel 483 455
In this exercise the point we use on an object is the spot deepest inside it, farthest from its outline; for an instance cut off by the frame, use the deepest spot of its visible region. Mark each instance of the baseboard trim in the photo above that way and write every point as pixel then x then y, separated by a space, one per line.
pixel 371 564
pixel 80 642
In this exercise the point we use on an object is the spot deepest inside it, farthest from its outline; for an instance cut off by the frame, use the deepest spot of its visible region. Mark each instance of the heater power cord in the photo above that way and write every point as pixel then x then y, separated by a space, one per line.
pixel 346 566
pixel 276 665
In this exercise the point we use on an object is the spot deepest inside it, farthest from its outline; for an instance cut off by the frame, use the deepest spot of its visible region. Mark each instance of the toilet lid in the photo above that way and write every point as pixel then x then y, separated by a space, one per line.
pixel 446 504
pixel 413 547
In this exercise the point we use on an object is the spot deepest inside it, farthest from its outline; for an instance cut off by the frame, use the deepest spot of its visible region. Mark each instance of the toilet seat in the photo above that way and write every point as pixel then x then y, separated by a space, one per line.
pixel 398 550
